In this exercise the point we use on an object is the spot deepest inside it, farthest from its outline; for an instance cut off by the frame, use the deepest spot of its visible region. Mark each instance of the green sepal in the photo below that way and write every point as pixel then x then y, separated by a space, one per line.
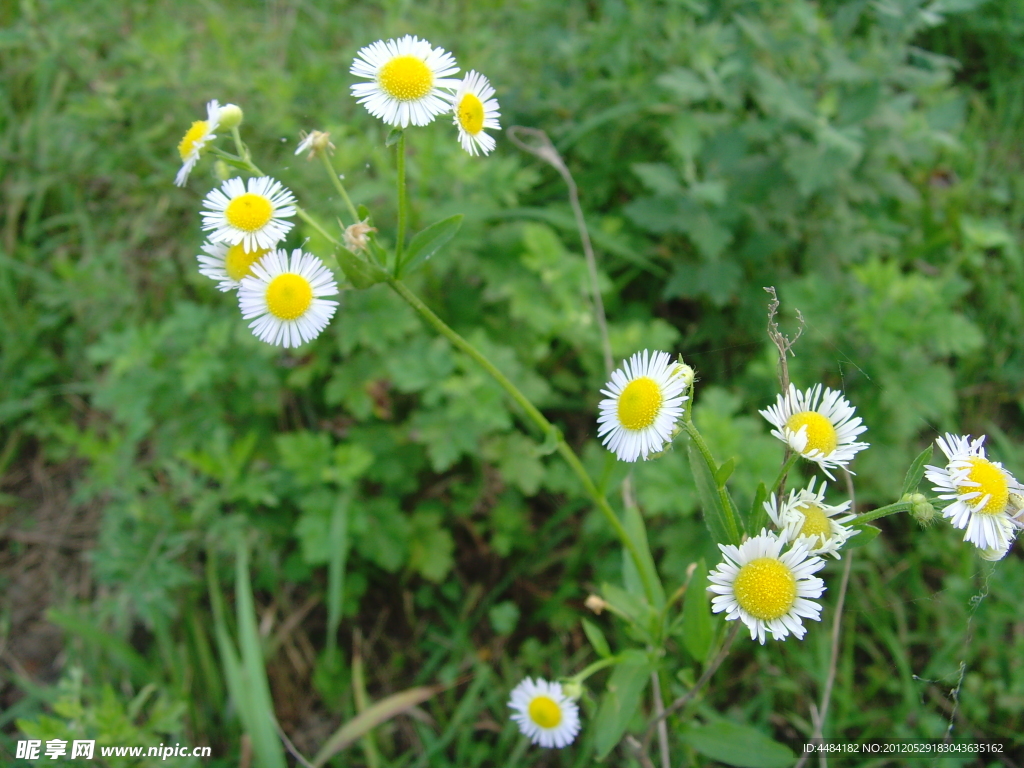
pixel 362 274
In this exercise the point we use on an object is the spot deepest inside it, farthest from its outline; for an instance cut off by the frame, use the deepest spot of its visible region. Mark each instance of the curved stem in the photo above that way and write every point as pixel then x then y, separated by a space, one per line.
pixel 891 509
pixel 339 186
pixel 546 427
pixel 698 440
pixel 402 204
pixel 597 666
pixel 787 465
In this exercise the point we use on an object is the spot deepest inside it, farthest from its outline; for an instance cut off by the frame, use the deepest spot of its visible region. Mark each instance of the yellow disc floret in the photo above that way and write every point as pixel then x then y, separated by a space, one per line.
pixel 815 523
pixel 238 263
pixel 192 135
pixel 821 435
pixel 765 588
pixel 991 482
pixel 249 212
pixel 639 403
pixel 471 114
pixel 289 296
pixel 406 78
pixel 545 712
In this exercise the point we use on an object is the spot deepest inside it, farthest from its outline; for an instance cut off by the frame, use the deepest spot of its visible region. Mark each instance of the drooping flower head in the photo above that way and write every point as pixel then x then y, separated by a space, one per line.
pixel 251 215
pixel 983 494
pixel 765 589
pixel 821 428
pixel 473 110
pixel 201 133
pixel 644 401
pixel 406 77
pixel 805 514
pixel 544 713
pixel 228 265
pixel 285 298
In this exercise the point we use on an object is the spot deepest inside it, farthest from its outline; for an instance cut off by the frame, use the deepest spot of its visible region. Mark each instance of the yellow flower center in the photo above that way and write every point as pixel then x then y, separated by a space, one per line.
pixel 765 588
pixel 991 481
pixel 192 135
pixel 238 263
pixel 545 712
pixel 289 296
pixel 639 403
pixel 821 435
pixel 471 114
pixel 406 78
pixel 815 523
pixel 248 212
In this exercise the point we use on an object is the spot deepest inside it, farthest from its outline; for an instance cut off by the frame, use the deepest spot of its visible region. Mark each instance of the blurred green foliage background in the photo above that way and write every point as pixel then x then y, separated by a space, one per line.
pixel 862 157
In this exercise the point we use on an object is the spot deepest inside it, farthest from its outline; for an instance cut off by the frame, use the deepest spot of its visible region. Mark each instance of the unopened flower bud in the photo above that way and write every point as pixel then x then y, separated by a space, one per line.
pixel 230 116
pixel 572 690
pixel 595 603
pixel 316 142
pixel 922 511
pixel 222 171
pixel 356 236
pixel 684 372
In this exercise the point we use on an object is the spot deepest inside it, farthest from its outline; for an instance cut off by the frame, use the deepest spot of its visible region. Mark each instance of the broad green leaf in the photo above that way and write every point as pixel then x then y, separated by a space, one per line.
pixel 370 718
pixel 916 471
pixel 697 632
pixel 738 745
pixel 867 534
pixel 711 502
pixel 634 524
pixel 596 638
pixel 620 702
pixel 362 274
pixel 629 606
pixel 429 241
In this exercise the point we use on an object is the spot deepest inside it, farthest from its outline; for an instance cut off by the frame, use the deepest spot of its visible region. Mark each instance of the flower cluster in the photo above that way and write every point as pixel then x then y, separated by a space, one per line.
pixel 409 83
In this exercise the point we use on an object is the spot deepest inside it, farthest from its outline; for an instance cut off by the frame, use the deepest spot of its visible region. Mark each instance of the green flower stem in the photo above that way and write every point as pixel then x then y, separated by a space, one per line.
pixel 339 186
pixel 538 418
pixel 323 232
pixel 243 151
pixel 891 509
pixel 790 462
pixel 698 440
pixel 597 666
pixel 402 204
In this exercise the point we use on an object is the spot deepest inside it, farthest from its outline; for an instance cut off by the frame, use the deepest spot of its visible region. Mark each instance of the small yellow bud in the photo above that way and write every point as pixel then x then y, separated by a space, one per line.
pixel 230 116
pixel 684 372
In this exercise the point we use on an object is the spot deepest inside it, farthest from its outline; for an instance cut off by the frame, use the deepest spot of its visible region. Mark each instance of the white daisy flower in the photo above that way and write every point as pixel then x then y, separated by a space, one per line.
pixel 822 432
pixel 195 140
pixel 406 77
pixel 806 515
pixel 644 401
pixel 250 216
pixel 228 265
pixel 285 298
pixel 766 590
pixel 544 713
pixel 473 110
pixel 983 493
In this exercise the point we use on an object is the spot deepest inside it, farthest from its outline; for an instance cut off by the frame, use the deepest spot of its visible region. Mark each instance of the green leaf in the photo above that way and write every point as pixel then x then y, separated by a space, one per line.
pixel 393 136
pixel 633 522
pixel 633 608
pixel 429 241
pixel 738 745
pixel 725 472
pixel 697 632
pixel 596 638
pixel 866 535
pixel 370 718
pixel 504 617
pixel 620 702
pixel 916 471
pixel 710 501
pixel 362 274
pixel 758 516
